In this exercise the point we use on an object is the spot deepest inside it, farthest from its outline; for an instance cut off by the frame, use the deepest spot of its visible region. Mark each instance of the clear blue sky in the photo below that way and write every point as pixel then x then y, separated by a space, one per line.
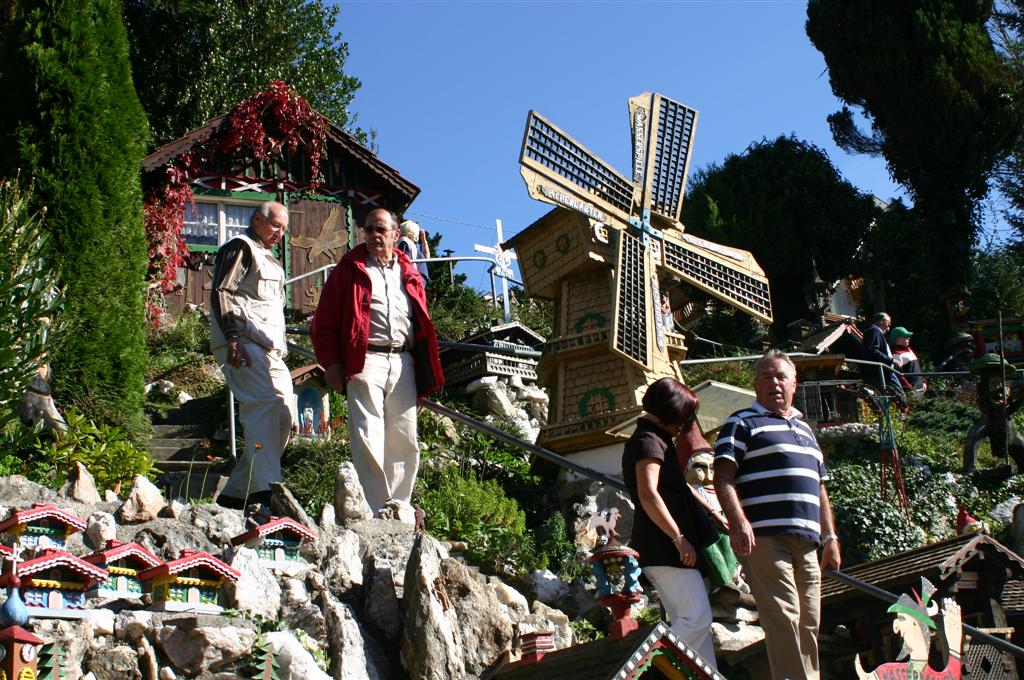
pixel 447 86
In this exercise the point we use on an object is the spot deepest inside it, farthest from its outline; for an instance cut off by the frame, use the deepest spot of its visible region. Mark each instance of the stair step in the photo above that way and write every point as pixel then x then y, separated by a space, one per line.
pixel 185 430
pixel 176 442
pixel 159 453
pixel 187 486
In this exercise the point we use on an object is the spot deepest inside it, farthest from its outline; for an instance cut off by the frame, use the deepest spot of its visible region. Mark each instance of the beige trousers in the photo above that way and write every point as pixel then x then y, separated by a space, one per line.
pixel 382 427
pixel 263 391
pixel 785 580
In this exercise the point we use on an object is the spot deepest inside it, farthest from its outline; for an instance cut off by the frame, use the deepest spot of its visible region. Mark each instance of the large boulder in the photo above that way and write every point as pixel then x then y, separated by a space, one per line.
pixel 144 502
pixel 114 663
pixel 342 566
pixel 81 486
pixel 298 611
pixel 256 590
pixel 294 661
pixel 349 502
pixel 100 528
pixel 380 599
pixel 354 654
pixel 485 627
pixel 199 644
pixel 432 646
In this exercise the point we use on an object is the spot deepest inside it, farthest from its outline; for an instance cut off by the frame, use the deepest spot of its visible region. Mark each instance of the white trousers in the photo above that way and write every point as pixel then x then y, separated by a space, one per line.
pixel 382 427
pixel 686 604
pixel 263 390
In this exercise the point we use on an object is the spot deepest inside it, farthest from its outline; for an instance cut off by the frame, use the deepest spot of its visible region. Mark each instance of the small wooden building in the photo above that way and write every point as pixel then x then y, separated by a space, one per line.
pixel 311 401
pixel 41 527
pixel 323 215
pixel 19 654
pixel 973 568
pixel 123 561
pixel 190 583
pixel 277 542
pixel 55 584
pixel 464 366
pixel 651 653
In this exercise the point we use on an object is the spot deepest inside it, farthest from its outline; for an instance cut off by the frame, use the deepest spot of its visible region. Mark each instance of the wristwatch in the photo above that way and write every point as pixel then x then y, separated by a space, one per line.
pixel 828 537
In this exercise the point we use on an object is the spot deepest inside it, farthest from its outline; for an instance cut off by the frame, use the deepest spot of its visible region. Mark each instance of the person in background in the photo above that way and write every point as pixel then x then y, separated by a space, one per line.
pixel 247 339
pixel 770 478
pixel 670 529
pixel 413 243
pixel 905 361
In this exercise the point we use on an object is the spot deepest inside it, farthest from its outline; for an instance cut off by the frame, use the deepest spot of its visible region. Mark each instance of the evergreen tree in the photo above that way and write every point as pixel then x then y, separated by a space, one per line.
pixel 71 122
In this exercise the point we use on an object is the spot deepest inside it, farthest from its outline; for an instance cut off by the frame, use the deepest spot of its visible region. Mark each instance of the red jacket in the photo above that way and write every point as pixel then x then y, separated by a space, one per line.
pixel 341 323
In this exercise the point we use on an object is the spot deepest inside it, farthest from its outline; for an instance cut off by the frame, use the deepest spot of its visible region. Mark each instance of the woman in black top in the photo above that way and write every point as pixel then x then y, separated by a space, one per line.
pixel 669 528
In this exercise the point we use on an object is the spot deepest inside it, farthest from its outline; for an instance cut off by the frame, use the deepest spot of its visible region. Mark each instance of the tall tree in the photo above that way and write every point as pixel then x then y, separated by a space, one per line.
pixel 70 121
pixel 1008 29
pixel 784 201
pixel 942 103
pixel 196 59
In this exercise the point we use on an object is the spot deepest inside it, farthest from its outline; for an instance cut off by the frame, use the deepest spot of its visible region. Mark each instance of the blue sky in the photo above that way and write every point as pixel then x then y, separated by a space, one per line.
pixel 447 86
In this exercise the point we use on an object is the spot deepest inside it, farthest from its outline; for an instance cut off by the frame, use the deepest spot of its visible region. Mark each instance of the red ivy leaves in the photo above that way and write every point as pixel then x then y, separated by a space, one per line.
pixel 268 124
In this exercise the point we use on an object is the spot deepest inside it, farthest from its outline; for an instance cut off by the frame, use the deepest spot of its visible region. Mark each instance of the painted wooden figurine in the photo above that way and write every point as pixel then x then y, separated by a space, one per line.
pixel 19 654
pixel 54 584
pixel 277 542
pixel 40 527
pixel 124 562
pixel 190 583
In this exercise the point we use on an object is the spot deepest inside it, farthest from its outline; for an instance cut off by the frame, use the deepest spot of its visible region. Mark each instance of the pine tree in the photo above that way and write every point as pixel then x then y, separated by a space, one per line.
pixel 71 122
pixel 264 662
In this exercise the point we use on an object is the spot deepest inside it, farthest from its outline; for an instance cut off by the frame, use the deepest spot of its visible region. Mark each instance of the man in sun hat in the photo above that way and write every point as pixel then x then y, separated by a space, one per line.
pixel 906 362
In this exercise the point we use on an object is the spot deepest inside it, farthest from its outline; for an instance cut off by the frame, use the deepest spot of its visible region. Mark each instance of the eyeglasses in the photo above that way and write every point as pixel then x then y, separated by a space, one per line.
pixel 377 230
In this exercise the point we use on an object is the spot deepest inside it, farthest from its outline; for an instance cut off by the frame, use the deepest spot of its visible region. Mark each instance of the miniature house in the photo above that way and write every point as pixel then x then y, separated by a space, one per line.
pixel 311 403
pixel 190 583
pixel 123 561
pixel 19 654
pixel 55 583
pixel 463 366
pixel 277 542
pixel 653 653
pixel 826 394
pixel 41 527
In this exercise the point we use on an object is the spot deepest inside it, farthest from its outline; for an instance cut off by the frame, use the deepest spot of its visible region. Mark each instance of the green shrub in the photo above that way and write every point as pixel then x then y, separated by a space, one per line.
pixel 738 373
pixel 310 469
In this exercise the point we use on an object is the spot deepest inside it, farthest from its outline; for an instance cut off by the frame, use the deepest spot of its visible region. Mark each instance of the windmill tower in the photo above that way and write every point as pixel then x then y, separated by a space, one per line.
pixel 605 255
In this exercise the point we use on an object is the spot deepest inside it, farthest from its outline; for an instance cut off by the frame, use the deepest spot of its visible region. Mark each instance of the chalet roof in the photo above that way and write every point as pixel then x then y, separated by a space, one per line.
pixel 53 559
pixel 607 658
pixel 19 634
pixel 819 342
pixel 304 373
pixel 6 551
pixel 171 150
pixel 41 511
pixel 190 559
pixel 116 550
pixel 286 524
pixel 937 562
pixel 1012 598
pixel 510 332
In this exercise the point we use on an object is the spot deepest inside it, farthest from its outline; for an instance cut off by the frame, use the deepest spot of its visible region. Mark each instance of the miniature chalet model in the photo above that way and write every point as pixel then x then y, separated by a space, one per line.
pixel 190 583
pixel 614 258
pixel 55 583
pixel 19 654
pixel 277 542
pixel 311 402
pixel 41 527
pixel 123 561
pixel 654 653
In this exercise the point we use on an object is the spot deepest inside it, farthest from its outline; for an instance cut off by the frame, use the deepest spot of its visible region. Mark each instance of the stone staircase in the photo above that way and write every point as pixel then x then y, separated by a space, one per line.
pixel 182 447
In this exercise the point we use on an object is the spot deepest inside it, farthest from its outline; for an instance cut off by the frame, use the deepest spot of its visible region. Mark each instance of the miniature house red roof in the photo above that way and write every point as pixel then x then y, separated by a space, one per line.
pixel 19 634
pixel 190 559
pixel 6 552
pixel 285 524
pixel 116 550
pixel 60 559
pixel 40 511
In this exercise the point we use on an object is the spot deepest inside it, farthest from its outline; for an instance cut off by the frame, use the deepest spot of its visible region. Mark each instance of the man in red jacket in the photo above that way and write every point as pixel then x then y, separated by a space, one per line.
pixel 373 334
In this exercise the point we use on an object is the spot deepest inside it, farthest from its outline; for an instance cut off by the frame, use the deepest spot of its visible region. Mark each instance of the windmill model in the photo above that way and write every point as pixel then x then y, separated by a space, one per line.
pixel 608 255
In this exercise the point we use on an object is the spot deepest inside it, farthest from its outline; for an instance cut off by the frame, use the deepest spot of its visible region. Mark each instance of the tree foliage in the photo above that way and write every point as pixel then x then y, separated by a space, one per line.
pixel 942 103
pixel 70 121
pixel 196 59
pixel 784 201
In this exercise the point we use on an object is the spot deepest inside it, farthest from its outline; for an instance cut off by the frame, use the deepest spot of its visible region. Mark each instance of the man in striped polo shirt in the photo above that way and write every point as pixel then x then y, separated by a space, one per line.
pixel 769 476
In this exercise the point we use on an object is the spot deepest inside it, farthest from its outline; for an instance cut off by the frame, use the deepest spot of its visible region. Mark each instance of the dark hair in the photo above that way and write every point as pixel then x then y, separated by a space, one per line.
pixel 671 402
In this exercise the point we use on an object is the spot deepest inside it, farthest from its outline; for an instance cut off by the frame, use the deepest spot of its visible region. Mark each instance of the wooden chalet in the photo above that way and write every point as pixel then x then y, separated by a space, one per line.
pixel 464 366
pixel 123 561
pixel 651 653
pixel 323 216
pixel 20 657
pixel 41 527
pixel 983 576
pixel 277 542
pixel 55 584
pixel 311 401
pixel 190 583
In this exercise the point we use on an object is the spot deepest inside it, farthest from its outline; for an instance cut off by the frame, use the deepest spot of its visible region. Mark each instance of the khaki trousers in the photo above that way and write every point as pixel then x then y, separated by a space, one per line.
pixel 785 579
pixel 382 427
pixel 266 407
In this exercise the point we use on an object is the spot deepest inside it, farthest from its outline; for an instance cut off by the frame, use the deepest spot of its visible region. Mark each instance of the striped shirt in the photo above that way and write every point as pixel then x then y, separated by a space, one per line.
pixel 779 470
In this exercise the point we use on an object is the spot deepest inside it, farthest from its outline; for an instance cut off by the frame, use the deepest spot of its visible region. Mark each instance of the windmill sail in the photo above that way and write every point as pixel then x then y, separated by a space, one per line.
pixel 632 304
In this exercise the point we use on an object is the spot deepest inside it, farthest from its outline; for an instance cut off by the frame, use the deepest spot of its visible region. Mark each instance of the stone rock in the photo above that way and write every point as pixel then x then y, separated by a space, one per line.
pixel 218 524
pixel 174 509
pixel 1003 513
pixel 485 627
pixel 284 504
pixel 354 655
pixel 100 528
pixel 166 538
pixel 184 397
pixel 18 492
pixel 343 563
pixel 144 502
pixel 134 625
pixel 298 610
pixel 733 614
pixel 388 542
pixel 167 673
pixel 328 518
pixel 294 661
pixel 432 646
pixel 476 385
pixel 545 618
pixel 380 599
pixel 731 638
pixel 495 399
pixel 533 394
pixel 398 510
pixel 349 502
pixel 111 497
pixel 114 663
pixel 580 600
pixel 599 497
pixel 147 659
pixel 81 486
pixel 256 590
pixel 515 601
pixel 101 621
pixel 196 646
pixel 546 586
pixel 71 639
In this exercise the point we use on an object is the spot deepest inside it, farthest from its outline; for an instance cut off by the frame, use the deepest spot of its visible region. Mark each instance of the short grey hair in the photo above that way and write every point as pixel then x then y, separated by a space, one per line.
pixel 881 316
pixel 264 210
pixel 771 356
pixel 391 214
